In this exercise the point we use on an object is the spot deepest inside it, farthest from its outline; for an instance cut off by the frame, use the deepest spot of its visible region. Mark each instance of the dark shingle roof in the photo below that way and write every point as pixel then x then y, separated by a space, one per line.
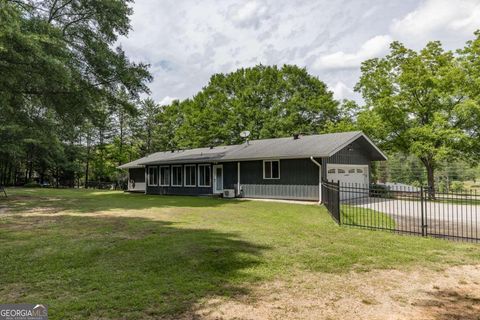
pixel 322 145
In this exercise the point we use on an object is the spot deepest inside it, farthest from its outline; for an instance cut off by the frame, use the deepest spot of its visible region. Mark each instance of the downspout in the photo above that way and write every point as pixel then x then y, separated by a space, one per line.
pixel 319 178
pixel 238 178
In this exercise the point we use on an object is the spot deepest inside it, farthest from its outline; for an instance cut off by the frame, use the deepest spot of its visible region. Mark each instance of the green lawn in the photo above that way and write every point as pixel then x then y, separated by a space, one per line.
pixel 110 255
pixel 358 216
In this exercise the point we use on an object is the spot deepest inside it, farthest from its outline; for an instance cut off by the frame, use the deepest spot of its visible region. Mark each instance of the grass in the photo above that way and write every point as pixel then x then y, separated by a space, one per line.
pixel 109 255
pixel 365 217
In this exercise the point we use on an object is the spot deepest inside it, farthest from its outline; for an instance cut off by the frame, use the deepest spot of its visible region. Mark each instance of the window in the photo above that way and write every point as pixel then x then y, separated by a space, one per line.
pixel 341 171
pixel 152 176
pixel 190 176
pixel 359 171
pixel 271 169
pixel 204 176
pixel 165 176
pixel 177 176
pixel 331 170
pixel 351 170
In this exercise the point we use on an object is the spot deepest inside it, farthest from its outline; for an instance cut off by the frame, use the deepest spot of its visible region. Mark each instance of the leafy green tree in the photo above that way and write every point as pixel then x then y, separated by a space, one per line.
pixel 266 100
pixel 58 64
pixel 419 100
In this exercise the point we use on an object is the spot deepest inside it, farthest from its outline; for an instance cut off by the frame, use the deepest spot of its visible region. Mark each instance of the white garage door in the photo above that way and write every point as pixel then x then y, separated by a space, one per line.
pixel 354 176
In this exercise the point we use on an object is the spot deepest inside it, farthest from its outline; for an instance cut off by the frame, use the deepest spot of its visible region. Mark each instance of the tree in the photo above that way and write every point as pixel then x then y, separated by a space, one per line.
pixel 266 100
pixel 418 98
pixel 58 65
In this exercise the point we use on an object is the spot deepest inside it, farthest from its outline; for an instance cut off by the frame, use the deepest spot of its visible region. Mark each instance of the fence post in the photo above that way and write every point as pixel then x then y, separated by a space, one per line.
pixel 338 203
pixel 422 210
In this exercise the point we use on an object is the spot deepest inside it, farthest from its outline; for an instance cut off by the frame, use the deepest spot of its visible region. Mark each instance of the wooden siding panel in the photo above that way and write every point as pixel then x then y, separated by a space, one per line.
pixel 292 172
pixel 352 154
pixel 229 175
pixel 277 191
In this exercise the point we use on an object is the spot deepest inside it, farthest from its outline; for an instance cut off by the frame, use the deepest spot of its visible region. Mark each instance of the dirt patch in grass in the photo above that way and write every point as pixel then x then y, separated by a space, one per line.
pixel 381 294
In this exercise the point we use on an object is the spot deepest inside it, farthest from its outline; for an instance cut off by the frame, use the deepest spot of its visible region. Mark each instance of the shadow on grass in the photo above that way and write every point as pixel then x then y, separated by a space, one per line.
pixel 83 267
pixel 57 200
pixel 451 304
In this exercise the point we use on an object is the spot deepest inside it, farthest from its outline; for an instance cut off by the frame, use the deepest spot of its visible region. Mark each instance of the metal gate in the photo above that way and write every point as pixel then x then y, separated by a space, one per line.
pixel 419 211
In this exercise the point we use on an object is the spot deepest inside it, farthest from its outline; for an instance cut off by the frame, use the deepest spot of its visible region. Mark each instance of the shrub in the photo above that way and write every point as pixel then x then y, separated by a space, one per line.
pixel 457 186
pixel 32 185
pixel 380 191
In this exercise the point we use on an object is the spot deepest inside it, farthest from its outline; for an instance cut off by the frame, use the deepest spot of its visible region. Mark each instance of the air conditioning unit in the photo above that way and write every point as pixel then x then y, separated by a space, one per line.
pixel 228 193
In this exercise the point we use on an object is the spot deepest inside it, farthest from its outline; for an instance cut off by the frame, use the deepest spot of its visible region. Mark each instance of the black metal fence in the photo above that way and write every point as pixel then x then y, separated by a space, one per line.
pixel 331 198
pixel 405 209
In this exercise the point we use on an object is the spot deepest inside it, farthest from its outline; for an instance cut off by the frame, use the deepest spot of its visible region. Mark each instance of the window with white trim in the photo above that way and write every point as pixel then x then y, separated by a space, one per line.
pixel 190 175
pixel 152 176
pixel 204 175
pixel 165 176
pixel 271 169
pixel 176 176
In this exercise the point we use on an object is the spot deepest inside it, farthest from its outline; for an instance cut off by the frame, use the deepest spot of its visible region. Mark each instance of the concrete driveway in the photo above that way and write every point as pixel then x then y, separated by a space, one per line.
pixel 441 218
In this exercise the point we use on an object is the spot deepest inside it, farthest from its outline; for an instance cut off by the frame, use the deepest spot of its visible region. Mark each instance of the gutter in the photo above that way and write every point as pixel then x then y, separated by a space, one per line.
pixel 319 178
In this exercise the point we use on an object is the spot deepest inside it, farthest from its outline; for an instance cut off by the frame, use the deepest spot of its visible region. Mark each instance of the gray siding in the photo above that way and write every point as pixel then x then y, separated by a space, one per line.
pixel 229 175
pixel 352 154
pixel 292 172
pixel 278 191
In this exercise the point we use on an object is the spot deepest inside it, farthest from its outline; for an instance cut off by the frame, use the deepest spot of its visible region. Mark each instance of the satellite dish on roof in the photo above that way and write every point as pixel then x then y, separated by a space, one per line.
pixel 244 134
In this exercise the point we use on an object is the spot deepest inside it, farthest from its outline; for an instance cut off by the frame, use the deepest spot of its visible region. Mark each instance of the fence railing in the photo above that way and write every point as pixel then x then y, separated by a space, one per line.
pixel 419 211
pixel 331 199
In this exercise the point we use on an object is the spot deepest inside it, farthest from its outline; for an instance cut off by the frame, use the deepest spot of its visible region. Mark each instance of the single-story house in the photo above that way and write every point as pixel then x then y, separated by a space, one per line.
pixel 281 168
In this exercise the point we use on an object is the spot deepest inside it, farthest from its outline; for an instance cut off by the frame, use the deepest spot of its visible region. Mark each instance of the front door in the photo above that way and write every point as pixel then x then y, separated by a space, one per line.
pixel 218 178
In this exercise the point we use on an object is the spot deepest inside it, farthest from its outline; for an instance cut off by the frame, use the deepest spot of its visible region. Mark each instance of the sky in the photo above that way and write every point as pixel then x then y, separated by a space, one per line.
pixel 186 41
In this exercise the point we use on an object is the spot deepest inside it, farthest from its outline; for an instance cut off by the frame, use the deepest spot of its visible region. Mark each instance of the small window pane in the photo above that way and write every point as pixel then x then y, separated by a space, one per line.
pixel 341 171
pixel 153 176
pixel 190 176
pixel 359 170
pixel 164 176
pixel 351 170
pixel 204 175
pixel 177 176
pixel 275 170
pixel 331 170
pixel 268 170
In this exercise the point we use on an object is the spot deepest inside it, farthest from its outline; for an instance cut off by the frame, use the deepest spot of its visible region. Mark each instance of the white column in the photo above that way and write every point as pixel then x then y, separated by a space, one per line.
pixel 238 178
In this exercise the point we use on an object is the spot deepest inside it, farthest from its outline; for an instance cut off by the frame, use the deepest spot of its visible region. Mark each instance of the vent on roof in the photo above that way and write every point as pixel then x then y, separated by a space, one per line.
pixel 296 136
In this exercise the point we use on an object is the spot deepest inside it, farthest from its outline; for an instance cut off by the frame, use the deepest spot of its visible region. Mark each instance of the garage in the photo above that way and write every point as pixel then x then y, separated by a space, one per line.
pixel 349 175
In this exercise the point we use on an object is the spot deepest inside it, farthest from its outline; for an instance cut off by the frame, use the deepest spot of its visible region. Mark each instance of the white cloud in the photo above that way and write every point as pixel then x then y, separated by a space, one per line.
pixel 342 91
pixel 167 100
pixel 249 14
pixel 373 47
pixel 187 41
pixel 446 20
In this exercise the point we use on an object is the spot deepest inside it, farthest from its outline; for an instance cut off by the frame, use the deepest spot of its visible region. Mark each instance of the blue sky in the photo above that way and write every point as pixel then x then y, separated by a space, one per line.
pixel 185 42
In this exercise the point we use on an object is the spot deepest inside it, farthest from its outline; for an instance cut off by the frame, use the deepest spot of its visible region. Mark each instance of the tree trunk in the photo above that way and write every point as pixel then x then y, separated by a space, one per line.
pixel 431 182
pixel 87 162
